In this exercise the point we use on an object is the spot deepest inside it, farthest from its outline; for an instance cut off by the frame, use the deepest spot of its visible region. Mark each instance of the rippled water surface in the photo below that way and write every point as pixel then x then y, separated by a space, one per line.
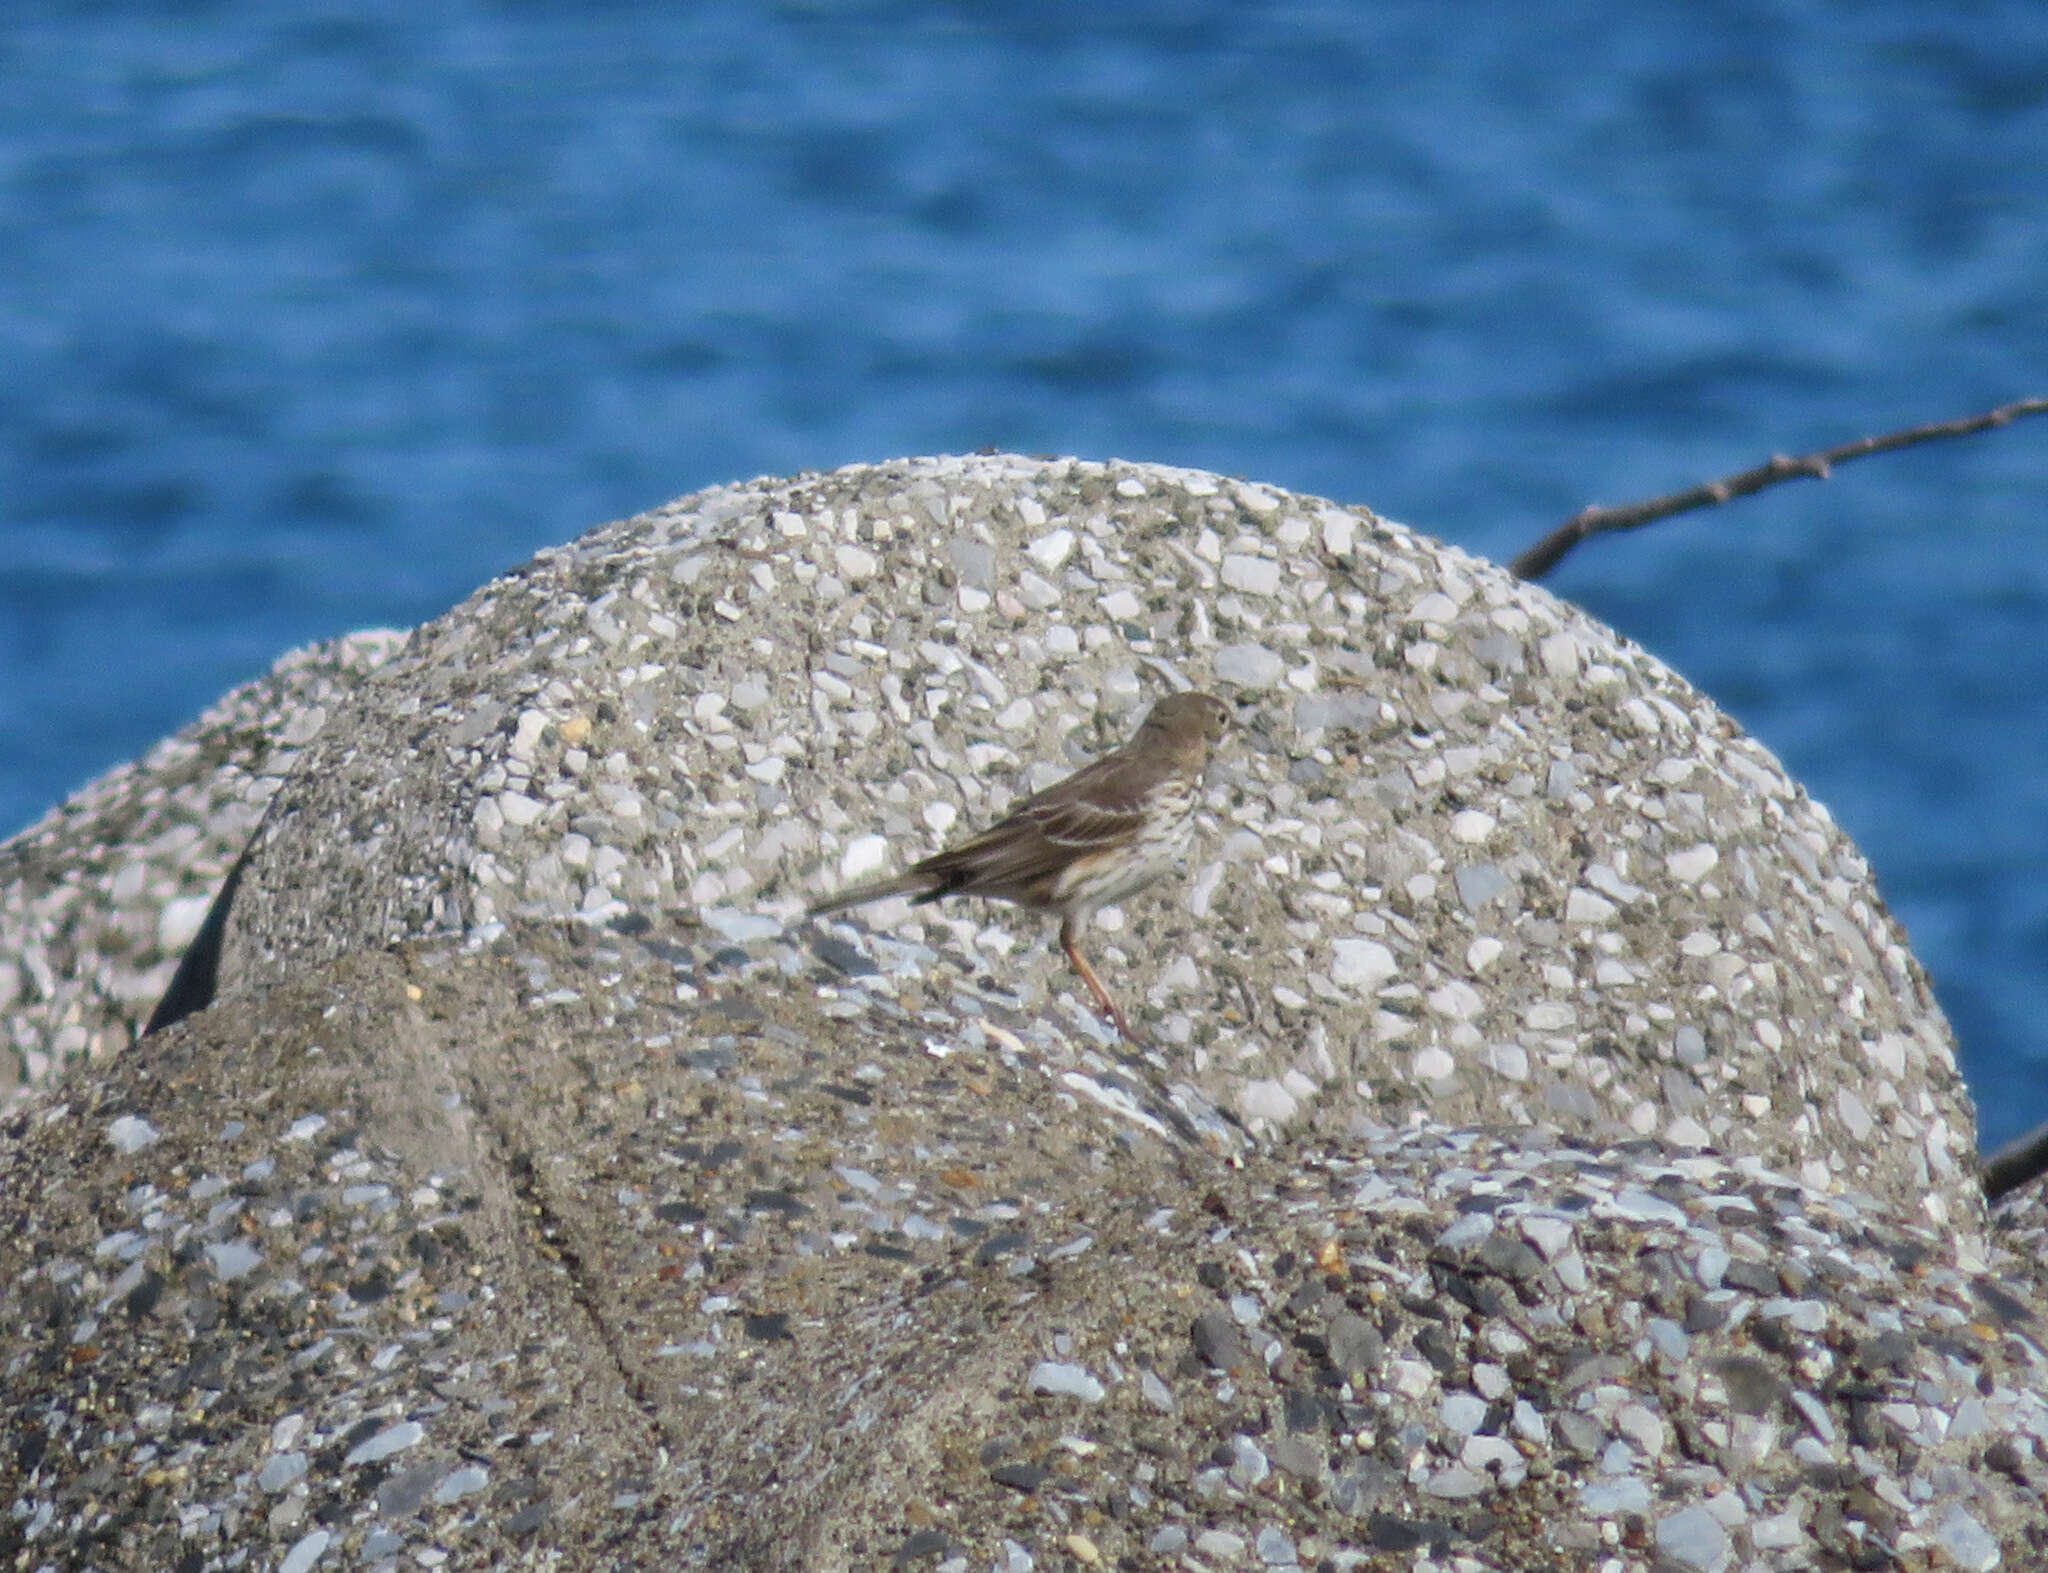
pixel 313 316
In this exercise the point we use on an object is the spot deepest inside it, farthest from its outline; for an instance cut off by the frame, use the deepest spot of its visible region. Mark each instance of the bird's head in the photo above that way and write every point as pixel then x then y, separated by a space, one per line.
pixel 1193 722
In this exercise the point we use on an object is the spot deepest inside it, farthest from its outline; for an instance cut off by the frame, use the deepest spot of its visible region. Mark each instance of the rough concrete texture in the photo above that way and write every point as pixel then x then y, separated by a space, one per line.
pixel 585 1250
pixel 100 897
pixel 1590 1185
pixel 1473 856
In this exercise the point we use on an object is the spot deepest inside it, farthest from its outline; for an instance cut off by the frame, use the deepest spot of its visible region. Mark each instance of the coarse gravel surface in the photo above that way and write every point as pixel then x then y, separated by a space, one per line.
pixel 100 897
pixel 1470 855
pixel 590 1250
pixel 1545 1151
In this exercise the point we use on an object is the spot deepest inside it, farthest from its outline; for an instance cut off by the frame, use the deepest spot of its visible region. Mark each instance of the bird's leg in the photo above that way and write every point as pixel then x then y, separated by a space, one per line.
pixel 1103 1003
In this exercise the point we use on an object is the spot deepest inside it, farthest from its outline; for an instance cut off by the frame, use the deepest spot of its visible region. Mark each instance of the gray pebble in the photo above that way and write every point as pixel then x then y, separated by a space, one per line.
pixel 1248 1463
pixel 1217 1340
pixel 1275 1549
pixel 280 1470
pixel 1692 1538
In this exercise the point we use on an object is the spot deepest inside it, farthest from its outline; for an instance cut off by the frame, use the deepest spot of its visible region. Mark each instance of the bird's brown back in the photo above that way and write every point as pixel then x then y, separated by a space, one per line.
pixel 1061 848
pixel 1099 811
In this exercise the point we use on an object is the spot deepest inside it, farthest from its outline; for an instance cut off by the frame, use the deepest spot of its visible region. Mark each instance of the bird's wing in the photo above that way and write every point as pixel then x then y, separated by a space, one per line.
pixel 1022 854
pixel 1084 820
pixel 1005 860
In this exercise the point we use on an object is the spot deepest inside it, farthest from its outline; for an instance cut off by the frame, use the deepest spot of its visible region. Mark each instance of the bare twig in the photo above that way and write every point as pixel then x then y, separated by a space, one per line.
pixel 1547 553
pixel 2022 1159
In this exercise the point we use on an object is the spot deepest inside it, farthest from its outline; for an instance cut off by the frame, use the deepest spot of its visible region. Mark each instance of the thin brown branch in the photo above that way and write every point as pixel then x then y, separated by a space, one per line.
pixel 2022 1159
pixel 1547 553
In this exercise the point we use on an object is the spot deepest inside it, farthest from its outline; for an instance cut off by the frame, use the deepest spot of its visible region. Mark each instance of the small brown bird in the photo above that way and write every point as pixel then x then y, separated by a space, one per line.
pixel 1105 832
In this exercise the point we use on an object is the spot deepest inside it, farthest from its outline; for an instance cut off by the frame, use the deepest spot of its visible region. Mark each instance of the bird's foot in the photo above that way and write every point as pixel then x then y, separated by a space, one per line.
pixel 1124 1029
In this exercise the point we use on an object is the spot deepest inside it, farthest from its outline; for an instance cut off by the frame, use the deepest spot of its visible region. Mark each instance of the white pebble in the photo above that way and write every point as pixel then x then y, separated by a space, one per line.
pixel 1457 1000
pixel 1411 1378
pixel 1549 1235
pixel 1692 1539
pixel 526 736
pixel 1049 551
pixel 1642 1427
pixel 1854 1113
pixel 306 1552
pixel 1066 1381
pixel 1494 1458
pixel 1692 865
pixel 1471 826
pixel 460 1483
pixel 1433 1063
pixel 1506 1059
pixel 863 855
pixel 738 928
pixel 233 1260
pixel 1685 1131
pixel 131 1133
pixel 1037 593
pixel 1267 1100
pixel 1467 1232
pixel 1561 655
pixel 392 1439
pixel 1248 666
pixel 1637 1205
pixel 1778 1532
pixel 1253 575
pixel 1607 1498
pixel 1362 964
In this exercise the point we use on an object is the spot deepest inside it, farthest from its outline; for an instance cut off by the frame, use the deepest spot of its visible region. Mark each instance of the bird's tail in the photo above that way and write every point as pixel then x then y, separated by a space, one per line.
pixel 912 884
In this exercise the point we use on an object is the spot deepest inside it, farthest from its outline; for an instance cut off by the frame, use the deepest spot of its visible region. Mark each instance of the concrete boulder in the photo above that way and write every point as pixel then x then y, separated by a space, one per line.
pixel 596 1250
pixel 99 898
pixel 1473 855
pixel 1545 1147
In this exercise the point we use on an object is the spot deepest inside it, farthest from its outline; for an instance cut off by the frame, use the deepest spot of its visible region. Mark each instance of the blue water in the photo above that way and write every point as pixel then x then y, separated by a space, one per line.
pixel 314 315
